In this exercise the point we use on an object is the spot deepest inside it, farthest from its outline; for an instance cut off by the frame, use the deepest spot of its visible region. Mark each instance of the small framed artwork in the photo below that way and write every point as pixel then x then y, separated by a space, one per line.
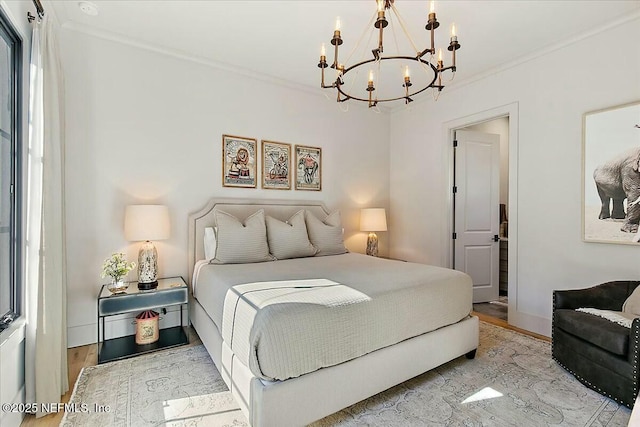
pixel 611 175
pixel 238 161
pixel 276 161
pixel 308 168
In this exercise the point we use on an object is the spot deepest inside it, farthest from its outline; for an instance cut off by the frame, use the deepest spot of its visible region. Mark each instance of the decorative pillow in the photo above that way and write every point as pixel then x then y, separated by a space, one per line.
pixel 209 243
pixel 239 243
pixel 289 239
pixel 326 235
pixel 632 304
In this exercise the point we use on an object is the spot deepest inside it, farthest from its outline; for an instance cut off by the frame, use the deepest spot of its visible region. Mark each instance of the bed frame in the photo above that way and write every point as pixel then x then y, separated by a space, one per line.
pixel 300 401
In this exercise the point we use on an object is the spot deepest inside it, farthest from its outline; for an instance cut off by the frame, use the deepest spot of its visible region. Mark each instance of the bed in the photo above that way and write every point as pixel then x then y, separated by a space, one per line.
pixel 367 324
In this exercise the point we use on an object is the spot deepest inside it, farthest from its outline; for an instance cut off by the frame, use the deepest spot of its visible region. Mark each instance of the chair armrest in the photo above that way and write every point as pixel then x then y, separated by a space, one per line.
pixel 606 296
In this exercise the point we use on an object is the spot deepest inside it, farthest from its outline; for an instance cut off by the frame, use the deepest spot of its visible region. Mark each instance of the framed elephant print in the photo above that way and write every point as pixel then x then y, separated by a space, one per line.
pixel 611 175
pixel 308 163
pixel 276 158
pixel 238 161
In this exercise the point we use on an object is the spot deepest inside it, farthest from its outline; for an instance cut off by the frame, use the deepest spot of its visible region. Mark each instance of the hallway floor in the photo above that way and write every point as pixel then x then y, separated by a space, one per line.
pixel 497 309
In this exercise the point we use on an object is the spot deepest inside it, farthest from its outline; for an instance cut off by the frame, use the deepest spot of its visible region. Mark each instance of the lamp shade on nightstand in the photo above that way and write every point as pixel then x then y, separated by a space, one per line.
pixel 372 220
pixel 146 223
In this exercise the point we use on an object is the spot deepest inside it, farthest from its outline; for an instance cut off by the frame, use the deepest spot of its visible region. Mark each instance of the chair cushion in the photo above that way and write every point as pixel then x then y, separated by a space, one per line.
pixel 632 304
pixel 596 330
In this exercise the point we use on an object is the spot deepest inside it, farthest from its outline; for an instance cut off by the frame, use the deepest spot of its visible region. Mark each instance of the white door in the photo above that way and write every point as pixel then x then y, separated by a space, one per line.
pixel 477 211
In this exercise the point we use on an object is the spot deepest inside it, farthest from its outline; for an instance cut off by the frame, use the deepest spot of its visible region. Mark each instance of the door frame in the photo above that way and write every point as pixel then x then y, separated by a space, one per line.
pixel 449 128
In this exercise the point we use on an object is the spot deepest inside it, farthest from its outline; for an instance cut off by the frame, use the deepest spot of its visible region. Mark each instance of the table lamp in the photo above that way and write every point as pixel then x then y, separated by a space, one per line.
pixel 146 223
pixel 372 220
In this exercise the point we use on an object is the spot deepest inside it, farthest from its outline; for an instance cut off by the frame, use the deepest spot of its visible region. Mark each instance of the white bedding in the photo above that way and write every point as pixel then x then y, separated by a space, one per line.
pixel 355 304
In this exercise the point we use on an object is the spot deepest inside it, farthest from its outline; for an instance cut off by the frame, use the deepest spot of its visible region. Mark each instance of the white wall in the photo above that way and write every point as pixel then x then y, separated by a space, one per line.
pixel 147 127
pixel 552 92
pixel 12 340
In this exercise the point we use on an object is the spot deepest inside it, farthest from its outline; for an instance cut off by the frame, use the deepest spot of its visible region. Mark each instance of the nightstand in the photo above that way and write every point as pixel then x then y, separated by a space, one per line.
pixel 170 291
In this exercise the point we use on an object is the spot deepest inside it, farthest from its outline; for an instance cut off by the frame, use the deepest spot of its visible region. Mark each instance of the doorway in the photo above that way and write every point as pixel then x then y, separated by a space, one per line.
pixel 482 251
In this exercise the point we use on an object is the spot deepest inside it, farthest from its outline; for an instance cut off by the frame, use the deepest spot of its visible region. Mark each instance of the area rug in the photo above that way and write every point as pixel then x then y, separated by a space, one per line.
pixel 512 382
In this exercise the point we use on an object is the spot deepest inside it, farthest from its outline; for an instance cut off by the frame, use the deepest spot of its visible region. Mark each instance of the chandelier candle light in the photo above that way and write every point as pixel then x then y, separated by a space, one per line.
pixel 419 60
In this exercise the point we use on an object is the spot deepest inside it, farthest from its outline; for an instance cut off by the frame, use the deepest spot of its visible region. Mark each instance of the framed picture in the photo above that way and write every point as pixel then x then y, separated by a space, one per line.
pixel 611 175
pixel 308 168
pixel 276 164
pixel 238 161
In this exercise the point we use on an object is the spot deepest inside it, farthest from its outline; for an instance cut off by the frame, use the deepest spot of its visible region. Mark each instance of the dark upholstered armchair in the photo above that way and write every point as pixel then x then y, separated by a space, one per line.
pixel 599 353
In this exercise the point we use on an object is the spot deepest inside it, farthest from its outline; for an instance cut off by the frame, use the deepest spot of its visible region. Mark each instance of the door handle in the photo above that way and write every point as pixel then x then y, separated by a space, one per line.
pixel 496 238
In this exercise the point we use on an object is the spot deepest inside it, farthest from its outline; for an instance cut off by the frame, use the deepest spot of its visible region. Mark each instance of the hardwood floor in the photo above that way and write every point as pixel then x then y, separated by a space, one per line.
pixel 80 357
pixel 77 358
pixel 498 308
pixel 503 323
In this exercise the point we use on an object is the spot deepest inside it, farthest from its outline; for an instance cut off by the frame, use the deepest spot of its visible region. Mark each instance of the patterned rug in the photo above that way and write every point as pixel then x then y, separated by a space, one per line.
pixel 511 382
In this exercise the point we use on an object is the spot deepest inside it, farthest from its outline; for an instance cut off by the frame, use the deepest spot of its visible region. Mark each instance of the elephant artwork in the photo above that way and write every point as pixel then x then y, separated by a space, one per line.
pixel 616 180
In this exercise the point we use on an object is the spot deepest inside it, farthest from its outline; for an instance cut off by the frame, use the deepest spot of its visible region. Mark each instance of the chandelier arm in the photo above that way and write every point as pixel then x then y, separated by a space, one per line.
pixel 347 95
pixel 424 66
pixel 353 81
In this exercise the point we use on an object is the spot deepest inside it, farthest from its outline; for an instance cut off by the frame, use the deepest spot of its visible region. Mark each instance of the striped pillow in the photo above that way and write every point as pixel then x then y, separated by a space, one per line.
pixel 289 239
pixel 239 243
pixel 326 235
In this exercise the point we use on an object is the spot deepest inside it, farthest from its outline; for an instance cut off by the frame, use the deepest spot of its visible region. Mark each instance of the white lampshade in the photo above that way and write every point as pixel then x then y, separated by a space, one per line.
pixel 373 219
pixel 146 222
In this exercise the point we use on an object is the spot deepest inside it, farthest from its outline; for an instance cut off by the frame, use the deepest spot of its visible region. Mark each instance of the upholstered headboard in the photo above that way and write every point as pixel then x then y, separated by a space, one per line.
pixel 241 208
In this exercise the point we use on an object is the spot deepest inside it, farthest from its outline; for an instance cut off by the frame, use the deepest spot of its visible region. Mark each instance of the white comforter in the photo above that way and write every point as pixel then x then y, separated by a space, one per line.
pixel 286 318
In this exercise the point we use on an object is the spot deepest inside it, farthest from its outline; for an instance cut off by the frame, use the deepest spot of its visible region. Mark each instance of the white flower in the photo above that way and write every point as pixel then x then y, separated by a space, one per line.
pixel 116 266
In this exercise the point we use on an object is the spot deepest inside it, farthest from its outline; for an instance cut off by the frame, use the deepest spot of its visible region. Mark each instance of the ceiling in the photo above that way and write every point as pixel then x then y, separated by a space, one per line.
pixel 281 39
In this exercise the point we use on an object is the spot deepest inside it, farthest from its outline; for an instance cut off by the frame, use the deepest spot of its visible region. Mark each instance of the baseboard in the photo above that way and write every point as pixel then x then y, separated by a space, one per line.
pixel 529 322
pixel 81 335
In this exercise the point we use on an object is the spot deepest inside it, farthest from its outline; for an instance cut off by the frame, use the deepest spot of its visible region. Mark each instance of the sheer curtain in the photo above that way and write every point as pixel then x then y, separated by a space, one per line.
pixel 46 288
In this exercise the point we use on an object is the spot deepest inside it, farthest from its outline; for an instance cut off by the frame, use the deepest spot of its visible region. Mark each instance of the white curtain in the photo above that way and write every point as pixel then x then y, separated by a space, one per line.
pixel 46 289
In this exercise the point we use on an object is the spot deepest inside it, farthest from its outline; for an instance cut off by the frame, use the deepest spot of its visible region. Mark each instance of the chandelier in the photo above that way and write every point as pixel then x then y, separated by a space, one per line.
pixel 427 72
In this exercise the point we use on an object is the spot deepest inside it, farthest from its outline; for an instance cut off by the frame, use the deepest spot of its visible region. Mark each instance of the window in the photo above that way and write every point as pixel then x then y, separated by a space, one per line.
pixel 10 164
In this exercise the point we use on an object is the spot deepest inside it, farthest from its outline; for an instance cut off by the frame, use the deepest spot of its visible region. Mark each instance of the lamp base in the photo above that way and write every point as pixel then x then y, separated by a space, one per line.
pixel 147 266
pixel 372 244
pixel 147 286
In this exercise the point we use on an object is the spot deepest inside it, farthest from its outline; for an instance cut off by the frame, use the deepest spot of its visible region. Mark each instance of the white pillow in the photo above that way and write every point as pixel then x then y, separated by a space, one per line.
pixel 209 243
pixel 326 235
pixel 289 239
pixel 632 303
pixel 239 243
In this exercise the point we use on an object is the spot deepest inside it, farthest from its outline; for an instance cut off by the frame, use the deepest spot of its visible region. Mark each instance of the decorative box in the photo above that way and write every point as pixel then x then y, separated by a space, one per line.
pixel 147 330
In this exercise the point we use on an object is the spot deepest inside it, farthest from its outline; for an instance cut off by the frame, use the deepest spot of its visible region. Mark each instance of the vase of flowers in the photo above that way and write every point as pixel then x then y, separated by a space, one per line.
pixel 116 267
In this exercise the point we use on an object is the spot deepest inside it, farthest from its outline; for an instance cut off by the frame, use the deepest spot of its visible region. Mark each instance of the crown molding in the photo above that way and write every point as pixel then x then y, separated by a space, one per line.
pixel 453 86
pixel 219 65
